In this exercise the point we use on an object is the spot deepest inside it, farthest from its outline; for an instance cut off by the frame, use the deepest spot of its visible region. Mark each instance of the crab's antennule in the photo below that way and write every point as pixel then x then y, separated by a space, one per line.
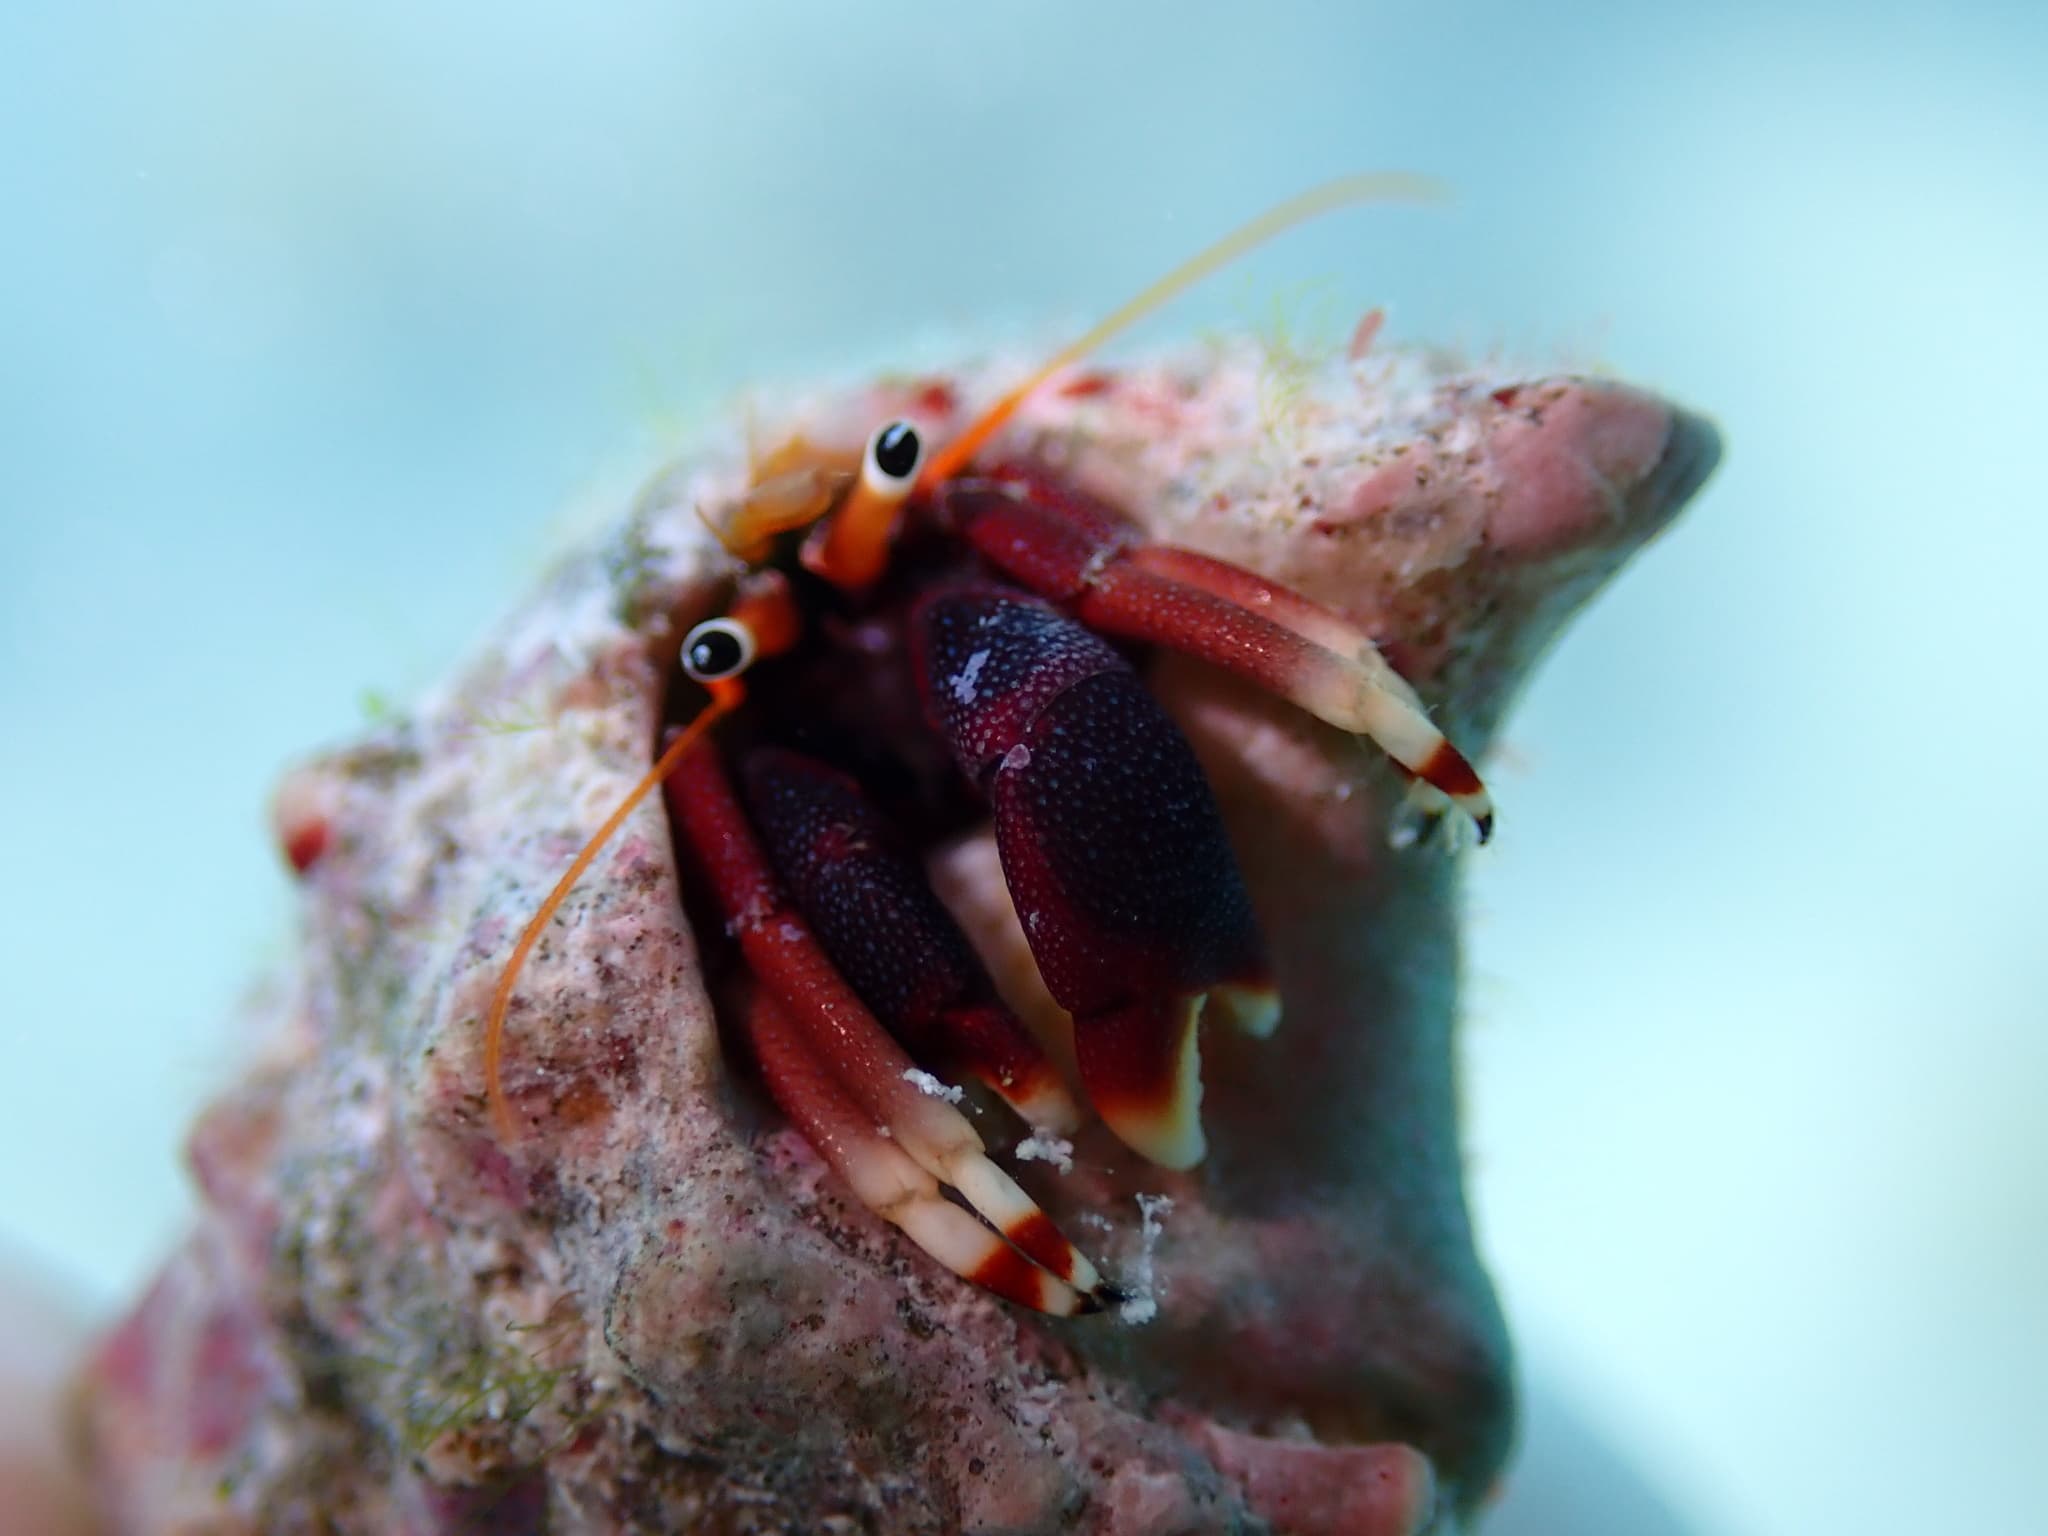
pixel 725 697
pixel 1385 186
pixel 726 541
pixel 773 507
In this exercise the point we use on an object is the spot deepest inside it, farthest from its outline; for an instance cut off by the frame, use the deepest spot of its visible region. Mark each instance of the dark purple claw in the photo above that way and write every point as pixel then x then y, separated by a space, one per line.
pixel 1111 843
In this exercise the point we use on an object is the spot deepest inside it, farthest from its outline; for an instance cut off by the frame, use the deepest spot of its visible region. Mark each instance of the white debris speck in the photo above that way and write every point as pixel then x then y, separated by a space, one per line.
pixel 1017 757
pixel 1405 827
pixel 1143 1304
pixel 1044 1147
pixel 963 681
pixel 791 933
pixel 926 1083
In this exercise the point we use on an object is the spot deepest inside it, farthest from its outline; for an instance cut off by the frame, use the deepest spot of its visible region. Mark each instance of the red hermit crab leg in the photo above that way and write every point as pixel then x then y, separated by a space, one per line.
pixel 1068 547
pixel 786 958
pixel 875 914
pixel 1320 626
pixel 1112 846
pixel 882 1175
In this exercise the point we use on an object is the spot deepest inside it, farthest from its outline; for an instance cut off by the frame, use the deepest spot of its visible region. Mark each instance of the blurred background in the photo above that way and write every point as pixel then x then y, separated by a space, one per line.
pixel 316 322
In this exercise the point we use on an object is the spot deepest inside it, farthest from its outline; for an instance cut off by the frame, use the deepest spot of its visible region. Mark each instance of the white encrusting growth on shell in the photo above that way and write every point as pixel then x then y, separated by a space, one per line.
pixel 1045 1146
pixel 926 1083
pixel 1141 1303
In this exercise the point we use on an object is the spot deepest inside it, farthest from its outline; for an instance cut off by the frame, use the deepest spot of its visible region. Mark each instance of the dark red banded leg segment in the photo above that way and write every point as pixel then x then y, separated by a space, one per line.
pixel 898 947
pixel 849 1048
pixel 1112 847
pixel 1071 549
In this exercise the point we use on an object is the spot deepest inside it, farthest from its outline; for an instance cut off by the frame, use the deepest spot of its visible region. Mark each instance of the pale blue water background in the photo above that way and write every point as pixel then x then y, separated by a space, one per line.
pixel 314 319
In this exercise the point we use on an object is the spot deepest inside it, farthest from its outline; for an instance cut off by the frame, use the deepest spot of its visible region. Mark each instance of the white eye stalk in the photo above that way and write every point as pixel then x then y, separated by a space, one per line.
pixel 888 469
pixel 718 649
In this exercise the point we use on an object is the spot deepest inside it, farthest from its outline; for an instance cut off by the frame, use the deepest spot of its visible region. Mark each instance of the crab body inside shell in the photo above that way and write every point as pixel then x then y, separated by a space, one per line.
pixel 1124 883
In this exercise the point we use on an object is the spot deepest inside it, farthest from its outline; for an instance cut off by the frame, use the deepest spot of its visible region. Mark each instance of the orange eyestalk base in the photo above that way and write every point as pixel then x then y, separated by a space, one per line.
pixel 852 550
pixel 768 608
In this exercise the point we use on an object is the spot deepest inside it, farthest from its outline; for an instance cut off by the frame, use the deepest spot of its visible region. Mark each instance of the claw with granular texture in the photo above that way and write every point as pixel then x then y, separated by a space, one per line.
pixel 1112 847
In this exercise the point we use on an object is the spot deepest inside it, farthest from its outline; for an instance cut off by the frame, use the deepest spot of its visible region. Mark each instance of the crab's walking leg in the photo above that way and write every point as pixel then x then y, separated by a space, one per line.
pixel 1112 846
pixel 873 910
pixel 785 957
pixel 1070 549
pixel 1348 684
pixel 884 1178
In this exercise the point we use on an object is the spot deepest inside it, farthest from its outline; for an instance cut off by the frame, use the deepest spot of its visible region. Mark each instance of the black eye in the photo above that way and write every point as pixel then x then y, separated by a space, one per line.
pixel 717 648
pixel 893 456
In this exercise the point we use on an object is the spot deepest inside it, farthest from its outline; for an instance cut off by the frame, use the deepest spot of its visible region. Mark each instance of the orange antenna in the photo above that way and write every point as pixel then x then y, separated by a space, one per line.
pixel 1346 190
pixel 726 696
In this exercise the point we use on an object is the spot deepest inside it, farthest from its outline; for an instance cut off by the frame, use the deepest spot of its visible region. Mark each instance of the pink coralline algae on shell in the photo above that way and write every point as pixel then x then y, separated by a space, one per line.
pixel 657 1310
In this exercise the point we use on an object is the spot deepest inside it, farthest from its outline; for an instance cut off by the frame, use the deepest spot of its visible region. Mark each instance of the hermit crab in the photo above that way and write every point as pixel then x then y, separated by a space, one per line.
pixel 935 631
pixel 557 1212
